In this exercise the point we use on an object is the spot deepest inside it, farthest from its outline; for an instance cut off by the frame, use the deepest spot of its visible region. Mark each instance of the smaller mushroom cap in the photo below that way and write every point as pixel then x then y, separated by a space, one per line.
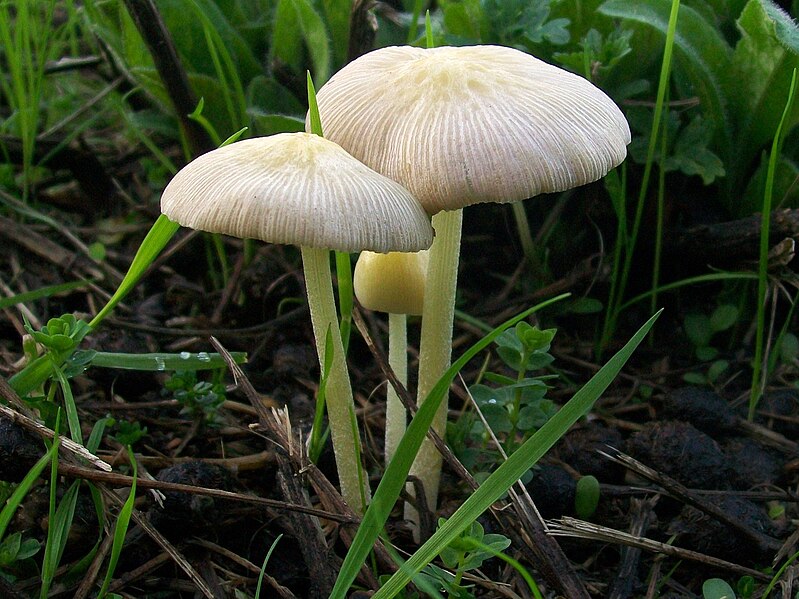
pixel 296 188
pixel 464 125
pixel 392 282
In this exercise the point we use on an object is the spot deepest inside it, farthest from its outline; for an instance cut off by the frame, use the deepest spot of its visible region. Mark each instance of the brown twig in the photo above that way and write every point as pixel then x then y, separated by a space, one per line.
pixel 279 589
pixel 162 542
pixel 572 527
pixel 641 512
pixel 762 541
pixel 158 40
pixel 120 480
pixel 289 449
pixel 25 420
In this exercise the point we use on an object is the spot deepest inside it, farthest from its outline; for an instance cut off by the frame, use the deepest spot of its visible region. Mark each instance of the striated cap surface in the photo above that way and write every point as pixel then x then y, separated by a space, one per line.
pixel 465 125
pixel 296 188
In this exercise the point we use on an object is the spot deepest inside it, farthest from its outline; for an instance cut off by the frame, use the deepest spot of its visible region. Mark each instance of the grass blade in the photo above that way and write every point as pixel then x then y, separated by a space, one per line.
pixel 393 479
pixel 121 528
pixel 516 465
pixel 48 291
pixel 73 421
pixel 33 375
pixel 156 239
pixel 24 486
pixel 163 361
pixel 642 11
pixel 59 524
pixel 758 376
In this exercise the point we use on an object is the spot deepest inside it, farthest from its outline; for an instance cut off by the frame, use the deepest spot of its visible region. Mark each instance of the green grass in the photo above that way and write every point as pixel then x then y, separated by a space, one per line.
pixel 759 370
pixel 120 529
pixel 628 237
pixel 29 41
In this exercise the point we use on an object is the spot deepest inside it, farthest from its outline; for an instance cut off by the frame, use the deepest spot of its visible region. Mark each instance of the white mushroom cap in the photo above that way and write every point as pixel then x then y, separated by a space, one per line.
pixel 460 126
pixel 300 189
pixel 392 282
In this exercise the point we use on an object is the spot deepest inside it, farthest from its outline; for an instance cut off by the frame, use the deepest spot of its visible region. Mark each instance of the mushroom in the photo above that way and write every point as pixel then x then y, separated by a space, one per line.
pixel 459 126
pixel 393 283
pixel 301 189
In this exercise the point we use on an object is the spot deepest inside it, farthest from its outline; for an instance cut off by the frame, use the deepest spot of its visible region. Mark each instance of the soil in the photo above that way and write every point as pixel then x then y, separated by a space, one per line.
pixel 703 452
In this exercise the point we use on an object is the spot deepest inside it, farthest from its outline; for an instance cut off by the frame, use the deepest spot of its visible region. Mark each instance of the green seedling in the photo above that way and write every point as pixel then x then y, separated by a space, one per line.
pixel 14 550
pixel 586 498
pixel 710 377
pixel 701 329
pixel 468 550
pixel 60 335
pixel 128 433
pixel 716 588
pixel 598 53
pixel 515 407
pixel 465 553
pixel 200 399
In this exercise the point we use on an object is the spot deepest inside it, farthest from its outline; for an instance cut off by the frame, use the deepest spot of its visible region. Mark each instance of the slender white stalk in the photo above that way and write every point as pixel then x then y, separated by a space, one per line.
pixel 340 404
pixel 435 346
pixel 398 360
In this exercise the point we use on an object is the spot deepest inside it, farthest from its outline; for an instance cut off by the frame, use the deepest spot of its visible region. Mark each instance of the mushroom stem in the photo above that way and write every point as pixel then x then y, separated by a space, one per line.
pixel 435 346
pixel 338 391
pixel 398 360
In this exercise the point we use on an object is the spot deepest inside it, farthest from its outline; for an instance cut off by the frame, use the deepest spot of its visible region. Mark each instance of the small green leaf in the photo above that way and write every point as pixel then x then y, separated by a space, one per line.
pixel 746 586
pixel 28 548
pixel 694 378
pixel 716 369
pixel 698 329
pixel 533 338
pixel 724 317
pixel 586 305
pixel 586 497
pixel 97 251
pixel 706 353
pixel 789 348
pixel 715 588
pixel 9 549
